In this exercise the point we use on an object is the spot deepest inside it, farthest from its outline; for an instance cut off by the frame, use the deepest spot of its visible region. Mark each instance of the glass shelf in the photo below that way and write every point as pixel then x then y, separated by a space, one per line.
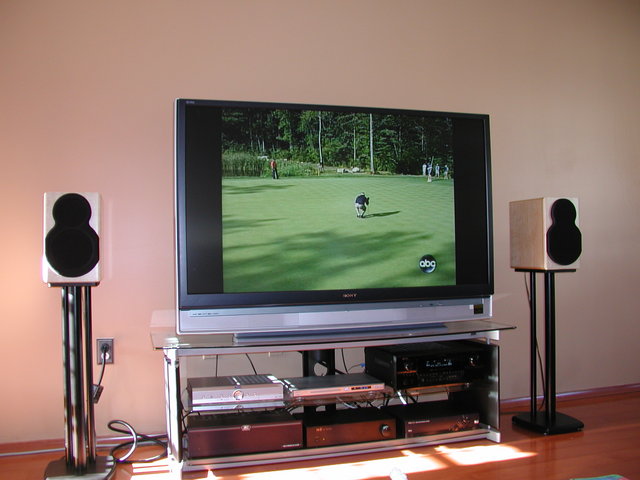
pixel 164 337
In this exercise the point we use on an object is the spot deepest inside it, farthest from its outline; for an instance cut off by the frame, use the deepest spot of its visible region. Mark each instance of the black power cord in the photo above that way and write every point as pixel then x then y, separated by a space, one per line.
pixel 98 388
pixel 137 439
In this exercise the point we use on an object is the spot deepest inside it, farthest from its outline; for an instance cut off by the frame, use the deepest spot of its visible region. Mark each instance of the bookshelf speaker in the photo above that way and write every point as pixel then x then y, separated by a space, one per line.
pixel 71 239
pixel 545 234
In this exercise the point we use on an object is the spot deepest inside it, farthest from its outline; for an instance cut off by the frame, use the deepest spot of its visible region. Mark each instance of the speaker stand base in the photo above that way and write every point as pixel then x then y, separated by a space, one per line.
pixel 102 469
pixel 538 423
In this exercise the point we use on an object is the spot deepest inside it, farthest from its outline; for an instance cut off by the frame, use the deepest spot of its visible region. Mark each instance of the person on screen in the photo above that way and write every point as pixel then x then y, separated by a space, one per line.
pixel 274 169
pixel 361 204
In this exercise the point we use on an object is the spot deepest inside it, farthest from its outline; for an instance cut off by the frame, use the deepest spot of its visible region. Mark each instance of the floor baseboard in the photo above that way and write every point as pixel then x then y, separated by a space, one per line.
pixel 520 403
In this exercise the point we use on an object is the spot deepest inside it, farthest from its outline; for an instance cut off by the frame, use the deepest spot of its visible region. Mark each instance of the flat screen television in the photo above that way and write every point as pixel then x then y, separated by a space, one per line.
pixel 303 219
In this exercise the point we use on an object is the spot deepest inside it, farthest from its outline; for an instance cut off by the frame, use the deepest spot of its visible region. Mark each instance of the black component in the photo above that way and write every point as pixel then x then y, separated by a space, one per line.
pixel 433 418
pixel 428 364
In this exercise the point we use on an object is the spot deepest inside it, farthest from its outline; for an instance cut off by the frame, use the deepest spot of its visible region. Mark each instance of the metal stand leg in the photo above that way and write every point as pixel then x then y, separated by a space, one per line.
pixel 173 408
pixel 533 344
pixel 550 348
pixel 80 444
pixel 548 422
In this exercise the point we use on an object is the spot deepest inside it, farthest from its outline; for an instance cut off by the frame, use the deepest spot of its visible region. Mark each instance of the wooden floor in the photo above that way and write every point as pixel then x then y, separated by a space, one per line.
pixel 609 444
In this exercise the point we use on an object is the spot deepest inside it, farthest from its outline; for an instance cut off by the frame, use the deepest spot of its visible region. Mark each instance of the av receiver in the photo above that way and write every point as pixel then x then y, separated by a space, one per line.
pixel 427 364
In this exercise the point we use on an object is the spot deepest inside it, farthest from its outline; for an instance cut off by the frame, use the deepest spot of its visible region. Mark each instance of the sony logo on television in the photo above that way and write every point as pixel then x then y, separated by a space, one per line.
pixel 349 295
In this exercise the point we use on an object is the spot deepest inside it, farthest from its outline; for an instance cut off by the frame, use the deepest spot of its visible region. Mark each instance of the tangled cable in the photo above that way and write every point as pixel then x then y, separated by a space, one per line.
pixel 137 440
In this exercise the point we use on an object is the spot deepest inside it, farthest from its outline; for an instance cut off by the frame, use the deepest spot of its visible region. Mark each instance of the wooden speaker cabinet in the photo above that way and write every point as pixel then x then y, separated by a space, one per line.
pixel 545 234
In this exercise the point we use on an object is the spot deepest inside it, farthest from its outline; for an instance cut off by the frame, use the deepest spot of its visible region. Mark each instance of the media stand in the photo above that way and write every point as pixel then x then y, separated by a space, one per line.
pixel 186 357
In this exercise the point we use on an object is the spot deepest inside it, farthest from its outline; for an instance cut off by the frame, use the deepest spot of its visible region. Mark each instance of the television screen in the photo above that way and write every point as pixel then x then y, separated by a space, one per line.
pixel 306 218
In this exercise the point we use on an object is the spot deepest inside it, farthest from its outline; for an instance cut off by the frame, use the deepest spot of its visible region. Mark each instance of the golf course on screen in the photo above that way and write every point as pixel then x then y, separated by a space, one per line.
pixel 307 227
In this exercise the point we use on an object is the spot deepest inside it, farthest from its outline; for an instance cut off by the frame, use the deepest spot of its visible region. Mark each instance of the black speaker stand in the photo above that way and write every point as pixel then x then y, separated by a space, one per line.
pixel 80 459
pixel 549 421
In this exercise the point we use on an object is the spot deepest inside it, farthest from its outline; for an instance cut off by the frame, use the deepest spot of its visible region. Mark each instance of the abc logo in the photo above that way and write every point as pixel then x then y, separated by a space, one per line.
pixel 428 264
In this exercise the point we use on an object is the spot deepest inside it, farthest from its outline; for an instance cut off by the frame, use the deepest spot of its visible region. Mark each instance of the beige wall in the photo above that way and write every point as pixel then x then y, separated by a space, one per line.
pixel 86 104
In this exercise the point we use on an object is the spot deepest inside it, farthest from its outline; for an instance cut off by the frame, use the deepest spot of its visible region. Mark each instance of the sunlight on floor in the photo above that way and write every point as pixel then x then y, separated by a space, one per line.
pixel 407 462
pixel 158 470
pixel 482 454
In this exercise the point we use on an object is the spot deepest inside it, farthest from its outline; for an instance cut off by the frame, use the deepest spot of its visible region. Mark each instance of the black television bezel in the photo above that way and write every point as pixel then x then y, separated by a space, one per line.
pixel 197 215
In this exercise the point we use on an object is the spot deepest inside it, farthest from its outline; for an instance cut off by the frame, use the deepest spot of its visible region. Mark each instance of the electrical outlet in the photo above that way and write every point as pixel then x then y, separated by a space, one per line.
pixel 104 345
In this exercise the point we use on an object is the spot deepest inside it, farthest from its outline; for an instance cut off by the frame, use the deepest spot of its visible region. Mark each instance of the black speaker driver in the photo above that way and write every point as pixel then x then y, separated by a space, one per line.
pixel 564 240
pixel 72 245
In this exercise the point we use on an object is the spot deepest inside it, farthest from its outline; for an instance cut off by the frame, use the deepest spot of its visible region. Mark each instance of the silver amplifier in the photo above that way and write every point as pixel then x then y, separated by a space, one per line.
pixel 211 393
